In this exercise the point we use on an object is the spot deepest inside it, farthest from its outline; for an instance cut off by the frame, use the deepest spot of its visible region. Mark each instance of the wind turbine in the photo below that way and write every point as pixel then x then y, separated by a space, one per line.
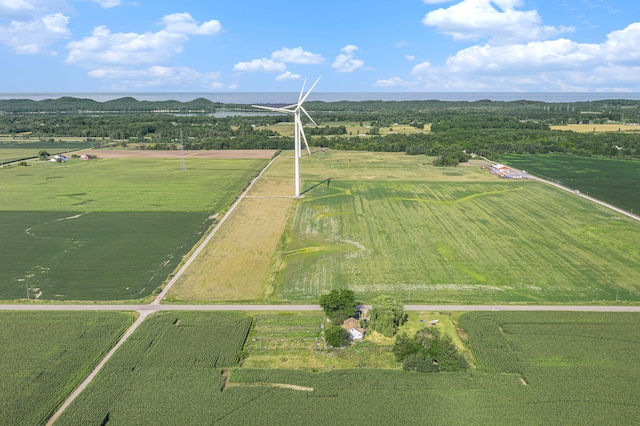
pixel 298 131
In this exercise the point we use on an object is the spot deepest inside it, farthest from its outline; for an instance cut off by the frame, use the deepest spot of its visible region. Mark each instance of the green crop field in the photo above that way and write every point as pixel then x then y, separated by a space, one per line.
pixel 614 181
pixel 169 371
pixel 107 229
pixel 531 368
pixel 431 234
pixel 46 355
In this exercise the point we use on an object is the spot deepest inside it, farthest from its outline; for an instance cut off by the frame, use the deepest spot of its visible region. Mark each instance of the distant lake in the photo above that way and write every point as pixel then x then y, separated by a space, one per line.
pixel 292 97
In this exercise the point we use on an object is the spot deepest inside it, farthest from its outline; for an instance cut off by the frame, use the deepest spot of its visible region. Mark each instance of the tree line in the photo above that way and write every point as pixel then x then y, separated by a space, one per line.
pixel 486 128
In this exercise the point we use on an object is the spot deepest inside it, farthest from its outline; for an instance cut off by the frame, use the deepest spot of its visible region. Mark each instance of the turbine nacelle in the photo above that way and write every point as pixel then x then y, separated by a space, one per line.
pixel 295 109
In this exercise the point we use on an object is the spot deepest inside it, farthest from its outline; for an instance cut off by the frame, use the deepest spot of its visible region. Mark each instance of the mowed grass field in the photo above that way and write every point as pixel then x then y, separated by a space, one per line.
pixel 614 181
pixel 107 229
pixel 393 224
pixel 46 355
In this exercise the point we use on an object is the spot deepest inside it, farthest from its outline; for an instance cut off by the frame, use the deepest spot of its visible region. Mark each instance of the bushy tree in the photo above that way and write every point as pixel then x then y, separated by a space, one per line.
pixel 386 315
pixel 336 336
pixel 339 305
pixel 428 351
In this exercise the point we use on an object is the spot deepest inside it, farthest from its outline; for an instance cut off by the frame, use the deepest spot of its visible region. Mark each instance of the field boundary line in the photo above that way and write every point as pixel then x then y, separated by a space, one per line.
pixel 300 308
pixel 142 316
pixel 201 247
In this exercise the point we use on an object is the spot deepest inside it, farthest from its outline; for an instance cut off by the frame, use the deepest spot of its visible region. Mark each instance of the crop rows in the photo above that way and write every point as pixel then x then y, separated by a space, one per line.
pixel 614 181
pixel 173 360
pixel 45 355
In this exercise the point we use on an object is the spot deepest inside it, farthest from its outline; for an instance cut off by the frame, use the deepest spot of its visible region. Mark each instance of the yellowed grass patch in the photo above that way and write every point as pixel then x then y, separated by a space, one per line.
pixel 598 128
pixel 236 265
pixel 238 261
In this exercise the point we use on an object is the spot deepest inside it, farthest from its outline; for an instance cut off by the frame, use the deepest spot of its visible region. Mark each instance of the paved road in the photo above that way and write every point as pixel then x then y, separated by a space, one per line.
pixel 299 308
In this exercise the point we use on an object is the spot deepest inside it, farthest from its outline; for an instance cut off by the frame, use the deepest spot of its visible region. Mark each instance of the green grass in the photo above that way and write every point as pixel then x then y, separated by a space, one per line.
pixel 168 372
pixel 45 356
pixel 107 229
pixel 294 341
pixel 614 181
pixel 132 185
pixel 462 240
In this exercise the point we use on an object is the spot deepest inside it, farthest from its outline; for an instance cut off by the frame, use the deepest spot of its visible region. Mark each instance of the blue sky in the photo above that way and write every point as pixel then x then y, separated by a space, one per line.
pixel 356 45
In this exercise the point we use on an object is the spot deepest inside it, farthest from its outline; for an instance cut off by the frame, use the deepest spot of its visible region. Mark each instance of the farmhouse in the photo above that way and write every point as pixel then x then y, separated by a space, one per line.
pixel 506 172
pixel 352 325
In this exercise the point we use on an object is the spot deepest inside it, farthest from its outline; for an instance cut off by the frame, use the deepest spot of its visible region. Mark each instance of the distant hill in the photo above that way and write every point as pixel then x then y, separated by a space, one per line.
pixel 126 105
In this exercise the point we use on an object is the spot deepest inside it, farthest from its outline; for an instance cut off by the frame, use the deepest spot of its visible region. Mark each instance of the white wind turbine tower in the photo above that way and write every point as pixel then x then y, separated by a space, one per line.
pixel 298 131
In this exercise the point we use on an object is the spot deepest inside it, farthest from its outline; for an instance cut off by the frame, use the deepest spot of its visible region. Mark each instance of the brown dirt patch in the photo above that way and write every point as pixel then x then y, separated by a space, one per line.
pixel 222 154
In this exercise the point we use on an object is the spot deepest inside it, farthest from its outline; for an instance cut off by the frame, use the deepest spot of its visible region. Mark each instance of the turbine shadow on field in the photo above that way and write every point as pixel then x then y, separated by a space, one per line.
pixel 328 181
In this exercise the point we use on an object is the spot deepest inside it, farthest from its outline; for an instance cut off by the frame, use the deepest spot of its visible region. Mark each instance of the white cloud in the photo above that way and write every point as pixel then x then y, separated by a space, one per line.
pixel 32 26
pixel 296 56
pixel 107 4
pixel 264 64
pixel 393 82
pixel 497 20
pixel 183 23
pixel 551 65
pixel 410 57
pixel 138 59
pixel 155 76
pixel 346 61
pixel 278 62
pixel 105 47
pixel 128 49
pixel 421 68
pixel 287 76
pixel 36 35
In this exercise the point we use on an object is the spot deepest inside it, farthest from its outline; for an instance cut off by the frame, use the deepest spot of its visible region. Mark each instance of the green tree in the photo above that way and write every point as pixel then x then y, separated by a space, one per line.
pixel 386 315
pixel 338 305
pixel 336 336
pixel 43 155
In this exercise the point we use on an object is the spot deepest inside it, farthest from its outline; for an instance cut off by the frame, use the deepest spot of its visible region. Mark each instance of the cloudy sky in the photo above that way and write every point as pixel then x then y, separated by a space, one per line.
pixel 356 45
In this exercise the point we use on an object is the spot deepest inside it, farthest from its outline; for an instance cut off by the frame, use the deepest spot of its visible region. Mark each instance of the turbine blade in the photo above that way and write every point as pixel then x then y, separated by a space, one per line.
pixel 304 137
pixel 282 110
pixel 308 116
pixel 304 83
pixel 305 96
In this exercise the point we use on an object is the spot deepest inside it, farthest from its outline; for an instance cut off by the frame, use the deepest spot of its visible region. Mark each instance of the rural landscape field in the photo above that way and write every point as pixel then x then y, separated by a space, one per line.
pixel 162 236
pixel 108 229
